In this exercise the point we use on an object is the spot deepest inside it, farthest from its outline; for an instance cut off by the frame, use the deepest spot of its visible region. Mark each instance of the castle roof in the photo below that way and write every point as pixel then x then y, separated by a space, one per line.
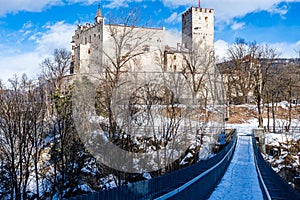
pixel 99 12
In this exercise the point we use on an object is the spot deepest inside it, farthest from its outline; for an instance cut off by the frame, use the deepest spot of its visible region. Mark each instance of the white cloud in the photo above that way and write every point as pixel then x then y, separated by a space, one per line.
pixel 87 2
pixel 227 10
pixel 174 18
pixel 119 3
pixel 237 26
pixel 279 10
pixel 27 25
pixel 285 50
pixel 19 64
pixel 15 6
pixel 25 5
pixel 56 36
pixel 221 48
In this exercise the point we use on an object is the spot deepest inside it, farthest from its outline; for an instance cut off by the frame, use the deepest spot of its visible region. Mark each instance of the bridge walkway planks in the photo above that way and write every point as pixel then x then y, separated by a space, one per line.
pixel 240 181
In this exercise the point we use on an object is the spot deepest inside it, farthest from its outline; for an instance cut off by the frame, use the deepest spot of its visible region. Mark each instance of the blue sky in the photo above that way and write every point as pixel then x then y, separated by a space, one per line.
pixel 31 30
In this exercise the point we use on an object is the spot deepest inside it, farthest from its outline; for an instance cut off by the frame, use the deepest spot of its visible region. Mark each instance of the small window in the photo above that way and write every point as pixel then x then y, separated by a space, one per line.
pixel 89 51
pixel 128 46
pixel 174 57
pixel 146 48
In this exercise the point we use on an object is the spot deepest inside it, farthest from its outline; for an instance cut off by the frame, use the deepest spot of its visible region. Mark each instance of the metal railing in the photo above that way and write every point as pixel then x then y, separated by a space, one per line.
pixel 201 186
pixel 272 185
pixel 194 182
pixel 283 129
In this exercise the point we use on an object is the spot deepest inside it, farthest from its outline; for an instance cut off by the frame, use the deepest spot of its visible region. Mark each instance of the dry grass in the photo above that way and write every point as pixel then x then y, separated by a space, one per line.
pixel 242 113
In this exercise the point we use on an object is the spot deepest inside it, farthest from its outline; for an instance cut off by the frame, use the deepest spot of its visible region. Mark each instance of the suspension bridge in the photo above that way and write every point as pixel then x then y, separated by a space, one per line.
pixel 237 172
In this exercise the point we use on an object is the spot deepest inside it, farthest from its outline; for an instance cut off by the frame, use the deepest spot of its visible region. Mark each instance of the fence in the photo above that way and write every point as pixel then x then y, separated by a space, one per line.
pixel 283 129
pixel 273 186
pixel 194 182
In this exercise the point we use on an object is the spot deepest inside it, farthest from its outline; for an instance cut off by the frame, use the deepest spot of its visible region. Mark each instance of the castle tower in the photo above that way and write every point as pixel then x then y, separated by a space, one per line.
pixel 87 47
pixel 198 26
pixel 99 17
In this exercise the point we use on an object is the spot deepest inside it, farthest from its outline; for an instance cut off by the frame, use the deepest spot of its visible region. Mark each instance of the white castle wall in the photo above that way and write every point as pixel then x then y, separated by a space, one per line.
pixel 91 41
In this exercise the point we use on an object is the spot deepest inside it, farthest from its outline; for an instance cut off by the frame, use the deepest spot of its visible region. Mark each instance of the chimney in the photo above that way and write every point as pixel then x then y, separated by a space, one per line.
pixel 178 47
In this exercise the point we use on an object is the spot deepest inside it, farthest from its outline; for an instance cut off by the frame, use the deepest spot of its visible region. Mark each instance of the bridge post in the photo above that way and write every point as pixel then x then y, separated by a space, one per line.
pixel 259 135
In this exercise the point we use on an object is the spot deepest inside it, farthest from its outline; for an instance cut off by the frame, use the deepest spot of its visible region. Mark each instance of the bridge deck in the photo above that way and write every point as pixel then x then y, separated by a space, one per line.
pixel 240 181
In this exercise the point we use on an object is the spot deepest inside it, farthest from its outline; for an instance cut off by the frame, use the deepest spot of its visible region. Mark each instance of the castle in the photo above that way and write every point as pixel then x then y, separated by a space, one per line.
pixel 92 44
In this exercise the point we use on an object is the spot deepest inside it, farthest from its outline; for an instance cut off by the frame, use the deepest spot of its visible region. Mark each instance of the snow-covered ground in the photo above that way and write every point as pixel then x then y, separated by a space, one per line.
pixel 240 180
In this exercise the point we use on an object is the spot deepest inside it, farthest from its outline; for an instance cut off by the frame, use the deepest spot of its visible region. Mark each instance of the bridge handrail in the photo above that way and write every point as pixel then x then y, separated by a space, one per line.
pixel 261 180
pixel 273 186
pixel 156 187
pixel 197 178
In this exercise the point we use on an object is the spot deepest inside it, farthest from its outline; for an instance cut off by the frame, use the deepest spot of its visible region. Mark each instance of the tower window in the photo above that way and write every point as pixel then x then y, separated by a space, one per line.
pixel 128 46
pixel 146 48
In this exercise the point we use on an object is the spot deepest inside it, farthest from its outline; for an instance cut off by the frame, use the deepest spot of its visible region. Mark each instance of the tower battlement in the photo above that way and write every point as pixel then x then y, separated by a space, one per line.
pixel 200 10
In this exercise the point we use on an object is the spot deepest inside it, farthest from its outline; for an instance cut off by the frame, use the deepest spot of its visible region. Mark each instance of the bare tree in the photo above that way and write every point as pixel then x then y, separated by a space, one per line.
pixel 197 65
pixel 55 68
pixel 264 60
pixel 242 56
pixel 126 43
pixel 21 124
pixel 54 71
